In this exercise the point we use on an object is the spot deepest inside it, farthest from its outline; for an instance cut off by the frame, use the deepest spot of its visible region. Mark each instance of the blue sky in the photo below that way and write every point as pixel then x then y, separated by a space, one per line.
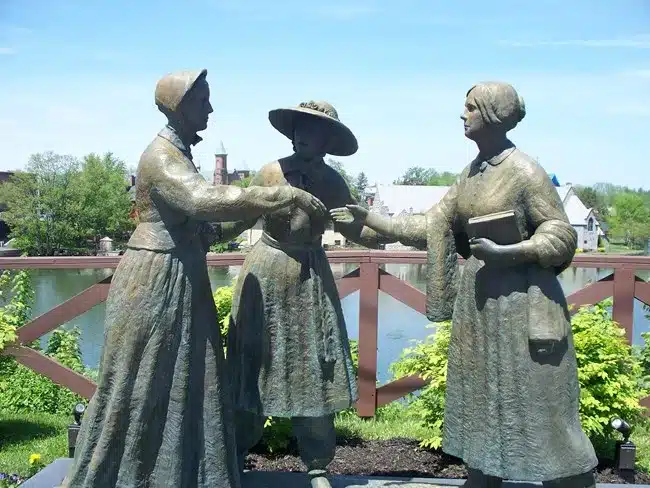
pixel 78 76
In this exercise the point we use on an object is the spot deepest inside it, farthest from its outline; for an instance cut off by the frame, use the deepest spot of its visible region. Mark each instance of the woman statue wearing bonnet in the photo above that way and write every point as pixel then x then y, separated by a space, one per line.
pixel 161 415
pixel 288 350
pixel 512 398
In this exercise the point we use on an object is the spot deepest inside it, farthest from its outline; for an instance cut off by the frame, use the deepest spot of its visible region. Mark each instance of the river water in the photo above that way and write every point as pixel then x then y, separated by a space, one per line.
pixel 399 325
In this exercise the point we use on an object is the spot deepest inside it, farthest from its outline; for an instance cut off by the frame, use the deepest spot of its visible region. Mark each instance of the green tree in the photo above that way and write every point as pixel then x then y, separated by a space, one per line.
pixel 592 198
pixel 361 183
pixel 415 176
pixel 41 206
pixel 631 219
pixel 103 203
pixel 418 176
pixel 350 180
pixel 244 182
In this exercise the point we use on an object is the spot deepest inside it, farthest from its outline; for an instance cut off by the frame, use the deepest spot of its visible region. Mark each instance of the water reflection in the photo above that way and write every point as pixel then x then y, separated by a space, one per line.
pixel 398 324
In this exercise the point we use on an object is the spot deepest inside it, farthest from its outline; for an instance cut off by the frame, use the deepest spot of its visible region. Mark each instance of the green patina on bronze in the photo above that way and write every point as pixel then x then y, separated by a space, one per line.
pixel 288 349
pixel 162 413
pixel 511 408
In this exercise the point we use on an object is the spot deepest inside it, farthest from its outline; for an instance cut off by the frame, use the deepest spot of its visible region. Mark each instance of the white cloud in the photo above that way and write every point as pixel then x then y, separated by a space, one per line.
pixel 638 73
pixel 341 11
pixel 7 50
pixel 641 41
pixel 338 10
pixel 400 120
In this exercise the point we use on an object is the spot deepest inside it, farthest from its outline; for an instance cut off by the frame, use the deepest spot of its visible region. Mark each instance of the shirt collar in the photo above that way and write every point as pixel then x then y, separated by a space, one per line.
pixel 170 134
pixel 497 159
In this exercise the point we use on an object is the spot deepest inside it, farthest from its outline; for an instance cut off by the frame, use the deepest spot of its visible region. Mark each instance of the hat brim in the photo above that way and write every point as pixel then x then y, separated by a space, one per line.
pixel 341 141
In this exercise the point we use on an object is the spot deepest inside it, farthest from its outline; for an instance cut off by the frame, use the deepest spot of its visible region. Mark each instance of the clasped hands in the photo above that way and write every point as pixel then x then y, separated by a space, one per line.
pixel 314 207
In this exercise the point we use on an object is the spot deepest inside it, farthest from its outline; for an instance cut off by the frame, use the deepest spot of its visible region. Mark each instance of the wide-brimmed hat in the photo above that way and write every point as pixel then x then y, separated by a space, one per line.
pixel 172 88
pixel 340 141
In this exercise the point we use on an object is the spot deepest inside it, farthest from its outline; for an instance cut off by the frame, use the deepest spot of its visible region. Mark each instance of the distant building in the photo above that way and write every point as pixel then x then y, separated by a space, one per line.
pixel 330 237
pixel 395 200
pixel 221 175
pixel 582 219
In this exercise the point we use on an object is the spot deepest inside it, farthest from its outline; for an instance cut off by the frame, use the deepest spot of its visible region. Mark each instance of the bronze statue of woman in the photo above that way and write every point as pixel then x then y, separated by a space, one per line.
pixel 288 350
pixel 512 399
pixel 162 413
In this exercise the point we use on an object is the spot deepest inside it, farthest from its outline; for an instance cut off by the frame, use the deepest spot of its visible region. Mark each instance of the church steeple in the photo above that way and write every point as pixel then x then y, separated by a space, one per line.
pixel 220 176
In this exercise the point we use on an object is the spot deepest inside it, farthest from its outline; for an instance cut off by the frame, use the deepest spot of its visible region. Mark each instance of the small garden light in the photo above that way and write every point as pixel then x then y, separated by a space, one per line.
pixel 625 454
pixel 73 429
pixel 78 412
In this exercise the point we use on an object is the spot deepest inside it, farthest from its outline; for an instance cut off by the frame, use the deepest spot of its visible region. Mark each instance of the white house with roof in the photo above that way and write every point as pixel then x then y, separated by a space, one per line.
pixel 582 219
pixel 395 200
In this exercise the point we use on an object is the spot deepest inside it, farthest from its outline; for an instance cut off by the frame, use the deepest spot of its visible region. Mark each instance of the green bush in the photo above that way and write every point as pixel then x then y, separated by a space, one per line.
pixel 21 389
pixel 17 296
pixel 428 359
pixel 610 375
pixel 223 301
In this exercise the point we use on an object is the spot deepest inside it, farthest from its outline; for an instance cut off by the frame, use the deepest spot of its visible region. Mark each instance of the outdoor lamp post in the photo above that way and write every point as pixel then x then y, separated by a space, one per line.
pixel 73 429
pixel 625 454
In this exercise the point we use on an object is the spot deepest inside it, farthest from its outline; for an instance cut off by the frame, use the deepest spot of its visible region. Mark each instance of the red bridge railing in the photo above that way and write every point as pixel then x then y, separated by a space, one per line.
pixel 623 285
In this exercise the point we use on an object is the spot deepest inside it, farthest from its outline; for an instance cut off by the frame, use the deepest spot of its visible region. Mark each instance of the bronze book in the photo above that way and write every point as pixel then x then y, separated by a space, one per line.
pixel 500 227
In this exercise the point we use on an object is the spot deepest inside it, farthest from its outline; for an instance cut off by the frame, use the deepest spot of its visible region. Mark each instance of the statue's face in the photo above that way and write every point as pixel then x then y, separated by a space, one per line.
pixel 309 138
pixel 196 106
pixel 472 119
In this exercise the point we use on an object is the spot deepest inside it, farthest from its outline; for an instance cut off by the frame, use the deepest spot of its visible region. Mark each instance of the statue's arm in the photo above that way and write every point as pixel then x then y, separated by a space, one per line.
pixel 377 229
pixel 554 241
pixel 189 194
pixel 412 230
pixel 227 231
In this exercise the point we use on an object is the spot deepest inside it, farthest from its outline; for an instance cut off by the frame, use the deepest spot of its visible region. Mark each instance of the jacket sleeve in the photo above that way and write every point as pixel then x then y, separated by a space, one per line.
pixel 553 238
pixel 188 193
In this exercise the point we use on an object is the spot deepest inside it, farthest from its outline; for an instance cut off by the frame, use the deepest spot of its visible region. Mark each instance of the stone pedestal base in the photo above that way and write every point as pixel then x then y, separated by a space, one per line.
pixel 53 474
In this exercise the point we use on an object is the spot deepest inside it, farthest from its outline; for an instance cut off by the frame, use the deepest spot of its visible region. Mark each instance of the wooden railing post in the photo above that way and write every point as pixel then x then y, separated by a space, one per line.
pixel 368 319
pixel 623 307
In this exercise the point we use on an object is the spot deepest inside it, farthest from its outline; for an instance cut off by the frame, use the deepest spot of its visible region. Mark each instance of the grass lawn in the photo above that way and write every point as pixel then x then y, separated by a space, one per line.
pixel 391 422
pixel 24 434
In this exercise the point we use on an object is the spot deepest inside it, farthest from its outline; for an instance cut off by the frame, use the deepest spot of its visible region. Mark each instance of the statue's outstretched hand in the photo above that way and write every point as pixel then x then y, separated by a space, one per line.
pixel 349 214
pixel 309 203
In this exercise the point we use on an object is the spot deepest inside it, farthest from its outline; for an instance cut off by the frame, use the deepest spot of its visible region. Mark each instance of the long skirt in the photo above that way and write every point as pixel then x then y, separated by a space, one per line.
pixel 288 350
pixel 161 415
pixel 509 412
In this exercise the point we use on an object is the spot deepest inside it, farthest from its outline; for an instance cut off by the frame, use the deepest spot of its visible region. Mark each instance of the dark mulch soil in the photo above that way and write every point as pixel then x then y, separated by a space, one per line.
pixel 392 458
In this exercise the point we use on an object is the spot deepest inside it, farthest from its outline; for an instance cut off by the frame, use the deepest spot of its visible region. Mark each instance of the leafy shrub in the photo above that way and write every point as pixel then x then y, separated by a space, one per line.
pixel 428 359
pixel 17 295
pixel 610 375
pixel 223 301
pixel 21 389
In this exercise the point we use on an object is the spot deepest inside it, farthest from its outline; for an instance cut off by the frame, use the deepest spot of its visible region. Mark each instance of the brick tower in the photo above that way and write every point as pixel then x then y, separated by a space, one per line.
pixel 220 166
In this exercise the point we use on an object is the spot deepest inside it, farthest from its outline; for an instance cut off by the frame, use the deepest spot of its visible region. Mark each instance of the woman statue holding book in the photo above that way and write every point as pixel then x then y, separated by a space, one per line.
pixel 511 407
pixel 162 413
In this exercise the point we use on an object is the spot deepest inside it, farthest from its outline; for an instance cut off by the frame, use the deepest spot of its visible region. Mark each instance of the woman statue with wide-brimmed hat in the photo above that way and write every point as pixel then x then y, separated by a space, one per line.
pixel 288 350
pixel 162 414
pixel 512 397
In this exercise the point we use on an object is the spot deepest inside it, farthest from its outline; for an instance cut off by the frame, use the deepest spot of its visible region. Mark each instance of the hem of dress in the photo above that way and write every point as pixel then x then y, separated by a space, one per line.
pixel 547 477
